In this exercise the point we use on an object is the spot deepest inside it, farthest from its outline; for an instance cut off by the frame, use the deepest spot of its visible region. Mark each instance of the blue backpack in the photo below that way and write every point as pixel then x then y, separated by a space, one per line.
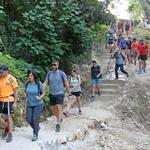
pixel 110 40
pixel 123 43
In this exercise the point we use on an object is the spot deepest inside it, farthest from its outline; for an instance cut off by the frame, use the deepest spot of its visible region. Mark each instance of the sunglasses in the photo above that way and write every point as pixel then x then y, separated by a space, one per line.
pixel 54 64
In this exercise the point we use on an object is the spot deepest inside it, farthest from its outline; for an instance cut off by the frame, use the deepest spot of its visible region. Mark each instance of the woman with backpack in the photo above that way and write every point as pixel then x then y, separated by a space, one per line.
pixel 75 88
pixel 34 92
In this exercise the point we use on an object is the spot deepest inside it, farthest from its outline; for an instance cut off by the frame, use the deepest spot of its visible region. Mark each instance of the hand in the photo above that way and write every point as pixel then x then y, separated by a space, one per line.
pixel 24 95
pixel 38 97
pixel 14 106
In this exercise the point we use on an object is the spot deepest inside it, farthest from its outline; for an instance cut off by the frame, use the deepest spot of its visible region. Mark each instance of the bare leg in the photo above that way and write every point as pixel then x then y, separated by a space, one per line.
pixel 144 65
pixel 54 110
pixel 93 90
pixel 59 113
pixel 10 123
pixel 78 102
pixel 3 124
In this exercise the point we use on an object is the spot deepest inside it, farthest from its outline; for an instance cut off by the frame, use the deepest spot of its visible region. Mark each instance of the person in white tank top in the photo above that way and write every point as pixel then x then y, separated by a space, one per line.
pixel 75 88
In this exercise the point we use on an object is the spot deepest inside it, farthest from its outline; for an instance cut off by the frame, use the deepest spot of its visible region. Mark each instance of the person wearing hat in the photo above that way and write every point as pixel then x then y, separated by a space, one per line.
pixel 57 81
pixel 95 77
pixel 8 101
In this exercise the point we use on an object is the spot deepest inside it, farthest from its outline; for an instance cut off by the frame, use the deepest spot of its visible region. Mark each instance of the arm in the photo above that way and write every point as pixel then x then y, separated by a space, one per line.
pixel 42 95
pixel 67 86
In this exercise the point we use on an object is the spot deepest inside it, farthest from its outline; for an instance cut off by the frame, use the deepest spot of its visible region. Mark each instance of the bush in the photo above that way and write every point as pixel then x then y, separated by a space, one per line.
pixel 100 30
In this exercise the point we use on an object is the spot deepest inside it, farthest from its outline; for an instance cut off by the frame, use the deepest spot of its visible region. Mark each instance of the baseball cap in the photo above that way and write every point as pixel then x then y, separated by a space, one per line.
pixel 94 61
pixel 3 68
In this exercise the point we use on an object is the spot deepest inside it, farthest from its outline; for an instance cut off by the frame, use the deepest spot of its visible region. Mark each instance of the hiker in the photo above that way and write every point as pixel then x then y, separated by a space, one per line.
pixel 113 26
pixel 34 92
pixel 120 27
pixel 8 101
pixel 115 40
pixel 95 78
pixel 111 42
pixel 134 48
pixel 123 45
pixel 127 28
pixel 143 53
pixel 129 52
pixel 57 81
pixel 74 84
pixel 120 60
pixel 106 38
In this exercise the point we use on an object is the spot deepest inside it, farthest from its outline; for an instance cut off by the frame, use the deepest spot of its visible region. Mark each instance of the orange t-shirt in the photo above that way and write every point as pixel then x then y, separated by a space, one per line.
pixel 135 46
pixel 7 86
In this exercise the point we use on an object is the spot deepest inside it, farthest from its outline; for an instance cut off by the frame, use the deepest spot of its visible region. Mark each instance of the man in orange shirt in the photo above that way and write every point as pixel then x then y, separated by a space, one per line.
pixel 134 48
pixel 8 101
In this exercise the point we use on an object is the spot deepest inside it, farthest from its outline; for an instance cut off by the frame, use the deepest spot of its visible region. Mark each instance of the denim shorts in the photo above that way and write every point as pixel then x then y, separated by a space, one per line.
pixel 135 53
pixel 56 99
pixel 96 81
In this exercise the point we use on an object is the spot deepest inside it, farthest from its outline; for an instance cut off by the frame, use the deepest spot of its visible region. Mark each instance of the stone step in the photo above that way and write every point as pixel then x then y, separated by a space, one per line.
pixel 108 91
pixel 113 81
pixel 109 86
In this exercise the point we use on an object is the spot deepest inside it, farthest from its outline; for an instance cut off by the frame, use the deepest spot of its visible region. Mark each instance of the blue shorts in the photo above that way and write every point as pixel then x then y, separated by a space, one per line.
pixel 135 53
pixel 96 81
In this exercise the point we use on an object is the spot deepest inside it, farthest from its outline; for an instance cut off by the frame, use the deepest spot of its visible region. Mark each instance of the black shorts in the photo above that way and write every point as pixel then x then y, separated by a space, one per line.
pixel 123 48
pixel 6 108
pixel 56 99
pixel 76 93
pixel 143 58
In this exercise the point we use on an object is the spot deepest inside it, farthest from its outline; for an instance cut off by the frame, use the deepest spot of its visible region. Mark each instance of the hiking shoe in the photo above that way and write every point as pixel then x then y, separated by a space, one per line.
pixel 35 137
pixel 140 71
pixel 99 93
pixel 80 112
pixel 4 135
pixel 127 75
pixel 61 120
pixel 57 127
pixel 93 97
pixel 66 114
pixel 9 138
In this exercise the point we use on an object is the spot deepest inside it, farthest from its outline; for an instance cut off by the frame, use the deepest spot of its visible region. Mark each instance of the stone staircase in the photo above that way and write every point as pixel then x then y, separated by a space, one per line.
pixel 109 87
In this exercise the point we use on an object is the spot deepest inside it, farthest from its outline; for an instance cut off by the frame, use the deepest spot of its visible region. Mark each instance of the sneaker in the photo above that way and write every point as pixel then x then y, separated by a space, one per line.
pixel 57 127
pixel 9 138
pixel 4 135
pixel 99 93
pixel 80 112
pixel 127 75
pixel 140 71
pixel 93 97
pixel 35 137
pixel 66 114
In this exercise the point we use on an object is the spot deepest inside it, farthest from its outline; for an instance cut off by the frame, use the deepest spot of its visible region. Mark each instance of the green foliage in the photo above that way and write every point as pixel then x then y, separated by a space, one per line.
pixel 100 31
pixel 50 31
pixel 40 31
pixel 136 10
pixel 147 36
